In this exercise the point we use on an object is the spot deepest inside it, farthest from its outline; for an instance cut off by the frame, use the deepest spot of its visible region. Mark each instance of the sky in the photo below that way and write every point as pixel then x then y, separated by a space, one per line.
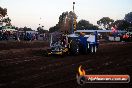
pixel 31 13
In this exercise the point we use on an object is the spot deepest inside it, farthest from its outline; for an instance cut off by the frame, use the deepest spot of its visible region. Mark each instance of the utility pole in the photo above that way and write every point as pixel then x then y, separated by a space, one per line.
pixel 73 6
pixel 73 19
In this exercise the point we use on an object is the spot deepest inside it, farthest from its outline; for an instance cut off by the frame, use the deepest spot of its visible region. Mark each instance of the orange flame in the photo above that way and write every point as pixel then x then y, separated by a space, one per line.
pixel 81 71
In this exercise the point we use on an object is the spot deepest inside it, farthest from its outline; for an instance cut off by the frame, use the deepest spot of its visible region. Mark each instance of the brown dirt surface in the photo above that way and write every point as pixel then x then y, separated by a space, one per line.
pixel 6 45
pixel 23 65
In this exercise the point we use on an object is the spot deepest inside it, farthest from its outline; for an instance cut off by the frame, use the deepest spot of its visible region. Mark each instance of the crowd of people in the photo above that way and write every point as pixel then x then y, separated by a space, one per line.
pixel 10 35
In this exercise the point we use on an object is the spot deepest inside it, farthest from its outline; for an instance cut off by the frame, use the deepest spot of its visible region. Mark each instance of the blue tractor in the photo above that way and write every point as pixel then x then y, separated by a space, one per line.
pixel 84 43
pixel 73 44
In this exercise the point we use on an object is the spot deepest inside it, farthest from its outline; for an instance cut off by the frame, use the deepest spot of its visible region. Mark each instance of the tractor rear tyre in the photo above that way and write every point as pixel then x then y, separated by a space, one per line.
pixel 74 48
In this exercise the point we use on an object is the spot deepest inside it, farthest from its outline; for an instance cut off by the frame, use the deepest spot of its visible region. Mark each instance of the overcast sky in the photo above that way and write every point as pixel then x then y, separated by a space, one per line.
pixel 31 13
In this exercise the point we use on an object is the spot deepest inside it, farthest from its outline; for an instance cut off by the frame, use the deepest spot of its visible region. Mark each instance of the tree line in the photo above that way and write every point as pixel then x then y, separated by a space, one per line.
pixel 105 22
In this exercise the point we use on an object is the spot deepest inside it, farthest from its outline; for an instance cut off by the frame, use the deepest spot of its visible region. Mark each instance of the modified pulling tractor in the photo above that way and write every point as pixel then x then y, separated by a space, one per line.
pixel 73 44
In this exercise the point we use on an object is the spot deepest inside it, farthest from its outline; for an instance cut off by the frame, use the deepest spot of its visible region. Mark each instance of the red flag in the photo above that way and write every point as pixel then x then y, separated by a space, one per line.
pixel 113 29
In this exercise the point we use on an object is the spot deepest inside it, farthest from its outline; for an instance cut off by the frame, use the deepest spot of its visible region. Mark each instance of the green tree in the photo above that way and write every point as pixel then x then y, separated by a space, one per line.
pixel 62 18
pixel 3 12
pixel 94 27
pixel 128 17
pixel 54 28
pixel 121 24
pixel 106 22
pixel 27 29
pixel 41 30
pixel 7 21
pixel 65 21
pixel 84 24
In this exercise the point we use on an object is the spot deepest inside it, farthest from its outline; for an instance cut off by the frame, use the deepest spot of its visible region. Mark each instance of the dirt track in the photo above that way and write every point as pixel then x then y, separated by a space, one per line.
pixel 26 67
